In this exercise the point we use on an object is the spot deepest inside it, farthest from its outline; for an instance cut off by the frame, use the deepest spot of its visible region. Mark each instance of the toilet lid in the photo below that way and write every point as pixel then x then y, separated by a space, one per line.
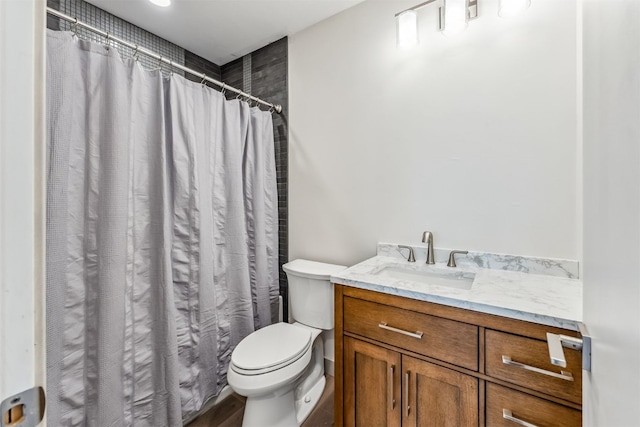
pixel 312 269
pixel 270 348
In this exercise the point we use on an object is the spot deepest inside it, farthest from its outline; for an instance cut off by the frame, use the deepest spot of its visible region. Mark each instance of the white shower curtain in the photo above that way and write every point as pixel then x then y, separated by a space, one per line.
pixel 161 238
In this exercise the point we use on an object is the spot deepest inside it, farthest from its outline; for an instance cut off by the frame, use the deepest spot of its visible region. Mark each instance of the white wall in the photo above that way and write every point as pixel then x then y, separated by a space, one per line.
pixel 611 60
pixel 472 137
pixel 22 169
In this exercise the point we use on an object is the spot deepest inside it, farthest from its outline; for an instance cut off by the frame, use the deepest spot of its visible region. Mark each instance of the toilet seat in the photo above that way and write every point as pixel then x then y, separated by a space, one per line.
pixel 270 348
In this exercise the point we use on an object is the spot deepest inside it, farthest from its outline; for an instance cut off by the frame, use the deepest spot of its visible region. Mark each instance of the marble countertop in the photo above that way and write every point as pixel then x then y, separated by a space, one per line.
pixel 538 298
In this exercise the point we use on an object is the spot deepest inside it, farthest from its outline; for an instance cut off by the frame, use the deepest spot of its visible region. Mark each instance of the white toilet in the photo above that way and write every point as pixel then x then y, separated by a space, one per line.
pixel 280 368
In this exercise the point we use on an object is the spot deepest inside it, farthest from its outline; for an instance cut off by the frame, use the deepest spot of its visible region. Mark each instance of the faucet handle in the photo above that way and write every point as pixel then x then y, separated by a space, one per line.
pixel 452 258
pixel 411 258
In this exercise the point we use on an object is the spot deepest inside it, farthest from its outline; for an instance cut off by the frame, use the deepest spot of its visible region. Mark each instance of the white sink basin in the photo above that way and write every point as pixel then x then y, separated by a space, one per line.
pixel 453 279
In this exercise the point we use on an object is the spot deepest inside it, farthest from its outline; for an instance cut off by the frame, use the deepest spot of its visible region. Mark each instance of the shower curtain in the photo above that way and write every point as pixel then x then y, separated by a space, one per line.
pixel 161 238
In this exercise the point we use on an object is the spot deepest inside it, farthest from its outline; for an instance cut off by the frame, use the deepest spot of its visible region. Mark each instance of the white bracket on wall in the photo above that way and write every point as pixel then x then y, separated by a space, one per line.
pixel 24 409
pixel 557 341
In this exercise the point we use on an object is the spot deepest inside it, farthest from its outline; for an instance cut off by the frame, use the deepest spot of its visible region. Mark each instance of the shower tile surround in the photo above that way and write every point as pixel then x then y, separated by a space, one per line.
pixel 262 73
pixel 538 290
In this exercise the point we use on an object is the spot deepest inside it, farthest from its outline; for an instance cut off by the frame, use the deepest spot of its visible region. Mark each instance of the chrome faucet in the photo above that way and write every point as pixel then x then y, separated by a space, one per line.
pixel 411 257
pixel 452 257
pixel 427 237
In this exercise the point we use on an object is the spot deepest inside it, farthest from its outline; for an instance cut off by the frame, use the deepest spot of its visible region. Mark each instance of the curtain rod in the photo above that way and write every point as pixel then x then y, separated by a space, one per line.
pixel 276 107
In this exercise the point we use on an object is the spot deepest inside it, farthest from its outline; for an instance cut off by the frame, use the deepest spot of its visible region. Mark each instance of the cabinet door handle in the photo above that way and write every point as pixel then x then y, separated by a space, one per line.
pixel 416 334
pixel 391 391
pixel 567 376
pixel 406 390
pixel 507 415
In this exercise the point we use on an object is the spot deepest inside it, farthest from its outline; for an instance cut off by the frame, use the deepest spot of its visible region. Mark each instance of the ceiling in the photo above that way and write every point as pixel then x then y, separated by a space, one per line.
pixel 223 30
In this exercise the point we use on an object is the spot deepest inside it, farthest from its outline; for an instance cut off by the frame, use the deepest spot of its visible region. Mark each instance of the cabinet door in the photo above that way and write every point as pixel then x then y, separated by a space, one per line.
pixel 371 385
pixel 437 396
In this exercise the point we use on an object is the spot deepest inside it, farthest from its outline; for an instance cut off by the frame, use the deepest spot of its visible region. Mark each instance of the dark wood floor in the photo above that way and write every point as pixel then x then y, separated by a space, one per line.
pixel 230 411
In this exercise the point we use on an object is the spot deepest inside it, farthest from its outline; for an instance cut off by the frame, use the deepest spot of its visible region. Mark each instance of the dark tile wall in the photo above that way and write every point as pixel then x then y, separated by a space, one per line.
pixel 269 75
pixel 201 65
pixel 232 74
pixel 269 81
pixel 263 73
pixel 53 23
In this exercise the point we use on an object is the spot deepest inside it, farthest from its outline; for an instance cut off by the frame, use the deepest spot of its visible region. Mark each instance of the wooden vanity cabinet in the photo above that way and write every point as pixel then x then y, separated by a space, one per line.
pixel 522 406
pixel 437 396
pixel 403 362
pixel 430 394
pixel 372 385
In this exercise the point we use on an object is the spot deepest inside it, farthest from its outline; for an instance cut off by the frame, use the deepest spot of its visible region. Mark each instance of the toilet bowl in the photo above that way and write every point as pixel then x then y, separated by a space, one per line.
pixel 280 368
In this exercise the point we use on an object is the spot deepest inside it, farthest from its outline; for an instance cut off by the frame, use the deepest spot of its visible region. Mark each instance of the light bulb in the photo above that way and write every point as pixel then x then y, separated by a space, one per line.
pixel 510 8
pixel 407 27
pixel 161 3
pixel 456 16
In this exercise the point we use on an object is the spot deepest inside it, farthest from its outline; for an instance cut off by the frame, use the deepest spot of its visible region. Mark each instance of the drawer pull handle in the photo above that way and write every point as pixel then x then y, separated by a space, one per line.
pixel 416 334
pixel 507 415
pixel 562 375
pixel 391 391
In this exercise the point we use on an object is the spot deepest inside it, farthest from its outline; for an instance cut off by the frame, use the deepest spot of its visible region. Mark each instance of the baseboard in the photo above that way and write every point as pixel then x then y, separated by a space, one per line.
pixel 329 367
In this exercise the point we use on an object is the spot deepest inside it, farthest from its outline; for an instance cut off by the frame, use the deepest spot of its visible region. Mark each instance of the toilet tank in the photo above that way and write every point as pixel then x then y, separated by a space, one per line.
pixel 311 292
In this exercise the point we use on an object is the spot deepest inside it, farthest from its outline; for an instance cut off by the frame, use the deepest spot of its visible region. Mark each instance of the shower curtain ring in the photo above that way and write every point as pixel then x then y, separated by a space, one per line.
pixel 106 39
pixel 135 53
pixel 171 68
pixel 74 28
pixel 224 88
pixel 272 109
pixel 204 77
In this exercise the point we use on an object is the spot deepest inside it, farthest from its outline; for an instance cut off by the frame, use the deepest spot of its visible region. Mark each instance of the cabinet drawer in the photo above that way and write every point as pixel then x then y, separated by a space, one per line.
pixel 531 409
pixel 447 340
pixel 532 353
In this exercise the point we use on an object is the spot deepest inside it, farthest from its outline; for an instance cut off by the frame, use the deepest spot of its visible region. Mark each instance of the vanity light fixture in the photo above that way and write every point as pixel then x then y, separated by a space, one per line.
pixel 509 8
pixel 407 29
pixel 454 16
pixel 161 3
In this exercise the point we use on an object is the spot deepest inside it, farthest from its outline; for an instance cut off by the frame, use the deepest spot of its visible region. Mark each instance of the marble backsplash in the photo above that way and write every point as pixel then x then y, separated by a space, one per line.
pixel 525 264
